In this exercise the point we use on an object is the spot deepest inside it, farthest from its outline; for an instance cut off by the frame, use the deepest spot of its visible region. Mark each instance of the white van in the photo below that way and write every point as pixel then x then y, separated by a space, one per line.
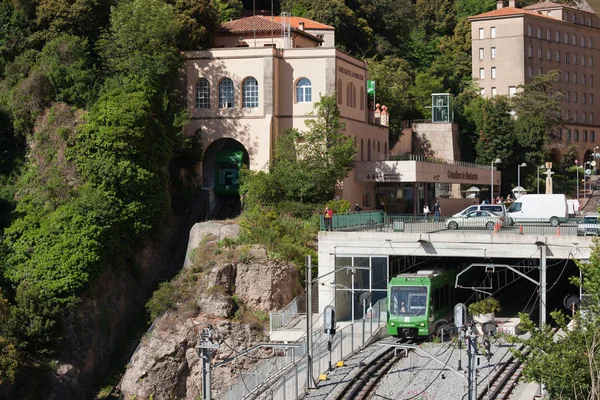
pixel 541 207
pixel 573 207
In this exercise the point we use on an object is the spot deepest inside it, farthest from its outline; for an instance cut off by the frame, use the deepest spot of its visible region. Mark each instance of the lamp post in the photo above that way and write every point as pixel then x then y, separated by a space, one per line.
pixel 496 161
pixel 538 177
pixel 576 169
pixel 519 176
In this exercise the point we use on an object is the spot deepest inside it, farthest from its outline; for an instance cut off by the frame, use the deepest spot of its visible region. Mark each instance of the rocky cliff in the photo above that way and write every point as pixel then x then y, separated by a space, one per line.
pixel 226 286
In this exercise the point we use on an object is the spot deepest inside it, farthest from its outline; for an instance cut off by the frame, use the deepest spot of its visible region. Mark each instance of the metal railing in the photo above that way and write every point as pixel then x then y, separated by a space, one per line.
pixel 280 319
pixel 436 160
pixel 380 222
pixel 285 376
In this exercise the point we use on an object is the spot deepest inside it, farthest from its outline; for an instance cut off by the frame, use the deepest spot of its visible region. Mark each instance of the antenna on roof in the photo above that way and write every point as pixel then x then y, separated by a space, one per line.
pixel 254 20
pixel 271 23
pixel 286 33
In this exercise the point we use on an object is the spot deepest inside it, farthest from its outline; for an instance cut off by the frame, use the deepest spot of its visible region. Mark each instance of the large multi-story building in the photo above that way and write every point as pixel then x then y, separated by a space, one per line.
pixel 511 45
pixel 265 74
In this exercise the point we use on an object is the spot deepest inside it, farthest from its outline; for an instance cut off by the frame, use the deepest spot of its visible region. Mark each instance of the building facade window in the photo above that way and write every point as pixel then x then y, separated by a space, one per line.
pixel 203 94
pixel 566 38
pixel 567 76
pixel 493 92
pixel 591 98
pixel 574 59
pixel 250 93
pixel 591 80
pixel 549 54
pixel 590 43
pixel 481 53
pixel 339 91
pixel 548 35
pixel 481 33
pixel 583 117
pixel 585 137
pixel 529 30
pixel 574 39
pixel 591 118
pixel 584 100
pixel 593 136
pixel 482 92
pixel 531 70
pixel 481 73
pixel 582 41
pixel 567 57
pixel 576 135
pixel 511 91
pixel 539 33
pixel 539 53
pixel 530 51
pixel 557 37
pixel 568 96
pixel 575 77
pixel 583 60
pixel 493 72
pixel 575 116
pixel 583 79
pixel 303 91
pixel 575 100
pixel 493 32
pixel 226 95
pixel 557 56
pixel 568 135
pixel 493 52
pixel 539 70
pixel 590 61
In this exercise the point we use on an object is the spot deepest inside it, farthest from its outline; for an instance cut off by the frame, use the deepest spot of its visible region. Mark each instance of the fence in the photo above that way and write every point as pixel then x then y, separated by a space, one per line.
pixel 285 377
pixel 379 221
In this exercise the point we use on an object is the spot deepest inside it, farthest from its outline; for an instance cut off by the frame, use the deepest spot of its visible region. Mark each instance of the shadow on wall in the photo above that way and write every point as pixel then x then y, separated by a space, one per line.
pixel 422 145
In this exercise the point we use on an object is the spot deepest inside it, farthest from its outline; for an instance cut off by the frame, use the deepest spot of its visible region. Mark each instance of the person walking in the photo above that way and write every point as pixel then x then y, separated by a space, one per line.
pixel 437 210
pixel 328 216
pixel 425 212
pixel 357 208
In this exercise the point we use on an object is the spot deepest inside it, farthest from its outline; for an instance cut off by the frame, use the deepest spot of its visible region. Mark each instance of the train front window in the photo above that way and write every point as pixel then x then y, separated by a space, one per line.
pixel 228 174
pixel 408 300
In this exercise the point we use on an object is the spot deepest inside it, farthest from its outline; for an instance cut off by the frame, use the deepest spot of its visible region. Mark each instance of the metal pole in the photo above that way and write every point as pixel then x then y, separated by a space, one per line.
pixel 519 178
pixel 492 186
pixel 352 297
pixel 542 286
pixel 472 372
pixel 309 380
pixel 577 183
pixel 538 180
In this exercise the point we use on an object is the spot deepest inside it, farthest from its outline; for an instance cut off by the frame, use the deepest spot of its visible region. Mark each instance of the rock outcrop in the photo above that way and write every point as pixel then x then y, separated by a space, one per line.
pixel 233 289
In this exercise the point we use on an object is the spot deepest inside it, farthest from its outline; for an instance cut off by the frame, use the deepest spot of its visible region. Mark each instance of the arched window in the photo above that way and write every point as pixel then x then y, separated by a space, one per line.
pixel 250 93
pixel 353 96
pixel 378 146
pixel 202 93
pixel 303 91
pixel 362 98
pixel 349 94
pixel 226 96
pixel 339 91
pixel 385 150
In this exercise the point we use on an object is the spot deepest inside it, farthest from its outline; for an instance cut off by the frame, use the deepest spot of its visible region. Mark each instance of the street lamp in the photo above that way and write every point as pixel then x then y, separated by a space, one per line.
pixel 538 177
pixel 577 169
pixel 496 161
pixel 519 176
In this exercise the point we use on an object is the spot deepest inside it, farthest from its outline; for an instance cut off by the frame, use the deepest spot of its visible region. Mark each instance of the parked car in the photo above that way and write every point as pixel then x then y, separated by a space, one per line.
pixel 589 225
pixel 475 219
pixel 498 209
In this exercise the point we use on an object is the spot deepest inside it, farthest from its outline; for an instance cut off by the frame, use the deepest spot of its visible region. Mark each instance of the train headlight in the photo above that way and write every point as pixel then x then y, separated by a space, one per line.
pixel 422 324
pixel 392 324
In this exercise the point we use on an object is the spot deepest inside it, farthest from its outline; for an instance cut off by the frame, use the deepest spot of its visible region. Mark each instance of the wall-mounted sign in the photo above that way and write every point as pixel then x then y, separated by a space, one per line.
pixel 464 175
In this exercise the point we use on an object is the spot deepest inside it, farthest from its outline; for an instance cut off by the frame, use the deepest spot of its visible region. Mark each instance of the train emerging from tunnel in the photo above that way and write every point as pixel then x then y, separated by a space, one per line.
pixel 420 303
pixel 228 164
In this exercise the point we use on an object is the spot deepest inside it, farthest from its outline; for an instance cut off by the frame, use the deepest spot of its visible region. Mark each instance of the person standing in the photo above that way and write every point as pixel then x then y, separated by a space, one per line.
pixel 425 212
pixel 437 210
pixel 328 216
pixel 357 208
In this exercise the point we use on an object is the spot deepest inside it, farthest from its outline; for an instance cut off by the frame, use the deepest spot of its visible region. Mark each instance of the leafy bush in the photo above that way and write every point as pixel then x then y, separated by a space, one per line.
pixel 163 300
pixel 485 306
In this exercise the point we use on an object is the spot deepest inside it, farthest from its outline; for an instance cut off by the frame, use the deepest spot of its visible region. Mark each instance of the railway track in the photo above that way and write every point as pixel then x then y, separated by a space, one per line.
pixel 363 384
pixel 502 383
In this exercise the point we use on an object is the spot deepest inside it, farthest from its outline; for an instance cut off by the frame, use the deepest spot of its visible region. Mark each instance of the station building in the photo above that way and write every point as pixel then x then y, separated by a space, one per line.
pixel 264 74
pixel 511 45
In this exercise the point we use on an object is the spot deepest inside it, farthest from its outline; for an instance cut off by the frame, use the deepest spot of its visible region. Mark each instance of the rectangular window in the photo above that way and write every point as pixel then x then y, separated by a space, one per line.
pixel 583 60
pixel 583 117
pixel 529 31
pixel 493 32
pixel 591 98
pixel 589 21
pixel 568 135
pixel 559 133
pixel 549 54
pixel 568 96
pixel 582 41
pixel 511 91
pixel 574 18
pixel 481 53
pixel 493 52
pixel 590 61
pixel 566 16
pixel 493 92
pixel 530 70
pixel 592 136
pixel 557 37
pixel 482 92
pixel 481 34
pixel 568 117
pixel 575 116
pixel 574 59
pixel 584 99
pixel 567 57
pixel 530 51
pixel 584 135
pixel 493 72
pixel 576 135
pixel 539 70
pixel 575 77
pixel 481 73
pixel 567 76
pixel 566 38
pixel 592 120
pixel 591 80
pixel 590 43
pixel 548 34
pixel 539 33
pixel 574 39
pixel 583 79
pixel 575 99
pixel 539 53
pixel 557 56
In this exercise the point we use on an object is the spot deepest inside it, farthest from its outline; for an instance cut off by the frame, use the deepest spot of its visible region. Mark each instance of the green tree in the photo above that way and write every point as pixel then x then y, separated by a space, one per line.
pixel 468 8
pixel 425 84
pixel 198 20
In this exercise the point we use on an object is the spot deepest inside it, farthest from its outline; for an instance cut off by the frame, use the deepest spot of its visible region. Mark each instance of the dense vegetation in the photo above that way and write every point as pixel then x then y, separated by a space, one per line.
pixel 91 110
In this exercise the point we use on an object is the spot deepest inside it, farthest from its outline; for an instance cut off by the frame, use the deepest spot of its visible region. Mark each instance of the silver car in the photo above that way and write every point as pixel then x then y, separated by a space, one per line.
pixel 589 225
pixel 476 219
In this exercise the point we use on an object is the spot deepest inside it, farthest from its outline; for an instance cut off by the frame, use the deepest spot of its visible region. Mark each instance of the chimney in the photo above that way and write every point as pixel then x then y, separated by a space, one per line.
pixel 511 3
pixel 499 4
pixel 301 25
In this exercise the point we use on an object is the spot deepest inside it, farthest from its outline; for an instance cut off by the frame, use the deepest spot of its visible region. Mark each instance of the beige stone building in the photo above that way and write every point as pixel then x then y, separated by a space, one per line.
pixel 511 45
pixel 265 74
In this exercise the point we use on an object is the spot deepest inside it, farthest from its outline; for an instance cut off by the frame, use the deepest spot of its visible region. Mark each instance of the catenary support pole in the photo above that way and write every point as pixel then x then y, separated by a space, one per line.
pixel 309 377
pixel 472 372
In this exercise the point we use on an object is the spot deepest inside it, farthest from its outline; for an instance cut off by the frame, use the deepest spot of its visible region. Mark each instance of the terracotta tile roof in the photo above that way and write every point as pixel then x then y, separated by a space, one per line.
pixel 251 24
pixel 260 23
pixel 308 23
pixel 509 11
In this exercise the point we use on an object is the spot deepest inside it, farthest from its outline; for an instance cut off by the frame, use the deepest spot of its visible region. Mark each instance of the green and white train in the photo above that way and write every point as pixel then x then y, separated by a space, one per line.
pixel 421 303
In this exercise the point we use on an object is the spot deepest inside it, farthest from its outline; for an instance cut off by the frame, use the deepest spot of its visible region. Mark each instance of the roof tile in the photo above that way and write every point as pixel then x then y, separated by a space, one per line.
pixel 508 11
